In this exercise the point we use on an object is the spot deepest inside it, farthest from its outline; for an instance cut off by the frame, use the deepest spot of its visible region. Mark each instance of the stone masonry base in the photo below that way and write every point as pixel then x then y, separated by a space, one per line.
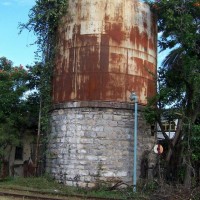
pixel 92 144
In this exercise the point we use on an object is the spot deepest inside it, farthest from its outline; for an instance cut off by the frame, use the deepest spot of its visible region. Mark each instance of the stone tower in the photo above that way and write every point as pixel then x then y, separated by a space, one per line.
pixel 107 48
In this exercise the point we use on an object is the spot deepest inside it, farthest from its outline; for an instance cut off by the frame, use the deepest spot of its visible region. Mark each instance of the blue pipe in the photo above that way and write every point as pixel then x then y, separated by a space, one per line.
pixel 134 98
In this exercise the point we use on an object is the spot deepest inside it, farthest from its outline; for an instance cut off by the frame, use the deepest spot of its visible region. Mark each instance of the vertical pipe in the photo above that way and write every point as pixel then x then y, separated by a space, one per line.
pixel 135 146
pixel 133 97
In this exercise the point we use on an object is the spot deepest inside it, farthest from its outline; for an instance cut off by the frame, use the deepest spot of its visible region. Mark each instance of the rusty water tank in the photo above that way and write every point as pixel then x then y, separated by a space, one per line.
pixel 106 49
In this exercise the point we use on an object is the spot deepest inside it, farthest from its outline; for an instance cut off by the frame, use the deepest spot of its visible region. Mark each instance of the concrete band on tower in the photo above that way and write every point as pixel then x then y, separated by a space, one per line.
pixel 106 50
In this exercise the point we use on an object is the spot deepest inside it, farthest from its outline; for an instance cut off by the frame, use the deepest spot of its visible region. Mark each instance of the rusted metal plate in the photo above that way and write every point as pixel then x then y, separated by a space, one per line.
pixel 106 50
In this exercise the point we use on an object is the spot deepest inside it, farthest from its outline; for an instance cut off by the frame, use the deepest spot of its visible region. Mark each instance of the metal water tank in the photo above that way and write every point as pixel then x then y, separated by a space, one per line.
pixel 106 49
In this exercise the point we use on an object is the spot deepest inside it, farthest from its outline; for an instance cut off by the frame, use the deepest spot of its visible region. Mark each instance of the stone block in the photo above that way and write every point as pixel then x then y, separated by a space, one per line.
pixel 90 134
pixel 71 116
pixel 74 140
pixel 84 172
pixel 102 134
pixel 117 117
pixel 92 158
pixel 83 151
pixel 61 112
pixel 70 133
pixel 91 185
pixel 81 157
pixel 121 174
pixel 80 146
pixel 109 129
pixel 78 127
pixel 69 183
pixel 103 158
pixel 108 174
pixel 98 128
pixel 107 116
pixel 80 133
pixel 83 162
pixel 82 184
pixel 86 141
pixel 86 128
pixel 79 116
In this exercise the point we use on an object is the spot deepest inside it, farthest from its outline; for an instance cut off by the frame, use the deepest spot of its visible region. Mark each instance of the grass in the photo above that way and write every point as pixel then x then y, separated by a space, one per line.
pixel 41 184
pixel 146 190
pixel 36 183
pixel 47 185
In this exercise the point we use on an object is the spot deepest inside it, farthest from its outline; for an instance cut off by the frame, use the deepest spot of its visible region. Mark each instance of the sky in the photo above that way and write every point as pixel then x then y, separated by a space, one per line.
pixel 19 48
pixel 13 46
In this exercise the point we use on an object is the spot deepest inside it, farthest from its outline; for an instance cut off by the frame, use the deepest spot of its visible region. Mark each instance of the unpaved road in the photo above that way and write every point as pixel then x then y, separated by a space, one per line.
pixel 22 195
pixel 9 194
pixel 29 198
pixel 10 198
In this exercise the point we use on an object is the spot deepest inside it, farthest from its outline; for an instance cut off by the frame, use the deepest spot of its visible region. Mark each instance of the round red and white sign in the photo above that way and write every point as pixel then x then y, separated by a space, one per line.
pixel 158 148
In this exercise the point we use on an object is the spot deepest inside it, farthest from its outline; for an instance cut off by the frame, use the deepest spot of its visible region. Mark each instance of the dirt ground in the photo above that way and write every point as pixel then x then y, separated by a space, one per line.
pixel 26 198
pixel 11 198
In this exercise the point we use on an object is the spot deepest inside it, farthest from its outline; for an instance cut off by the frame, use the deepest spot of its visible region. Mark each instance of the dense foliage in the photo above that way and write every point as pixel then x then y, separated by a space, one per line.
pixel 17 113
pixel 44 18
pixel 179 79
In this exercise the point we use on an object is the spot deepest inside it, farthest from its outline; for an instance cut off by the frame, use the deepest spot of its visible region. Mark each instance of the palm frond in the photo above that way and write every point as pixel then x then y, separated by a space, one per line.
pixel 173 58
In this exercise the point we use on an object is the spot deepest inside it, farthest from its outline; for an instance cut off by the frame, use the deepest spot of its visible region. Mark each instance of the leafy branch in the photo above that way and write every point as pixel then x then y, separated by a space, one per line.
pixel 44 19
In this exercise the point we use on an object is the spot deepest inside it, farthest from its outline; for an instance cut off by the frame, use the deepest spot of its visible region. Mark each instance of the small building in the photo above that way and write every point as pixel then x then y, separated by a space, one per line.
pixel 18 156
pixel 169 127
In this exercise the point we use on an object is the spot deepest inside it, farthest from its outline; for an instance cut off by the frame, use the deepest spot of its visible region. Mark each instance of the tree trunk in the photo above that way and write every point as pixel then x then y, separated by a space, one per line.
pixel 175 140
pixel 38 139
pixel 188 179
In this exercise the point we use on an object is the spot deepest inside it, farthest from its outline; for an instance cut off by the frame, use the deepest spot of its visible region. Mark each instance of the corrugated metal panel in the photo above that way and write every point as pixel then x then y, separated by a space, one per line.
pixel 107 48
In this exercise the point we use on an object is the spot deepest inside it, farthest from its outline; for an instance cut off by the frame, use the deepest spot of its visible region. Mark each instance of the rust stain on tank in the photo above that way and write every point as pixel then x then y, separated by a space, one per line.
pixel 151 44
pixel 114 86
pixel 144 24
pixel 144 40
pixel 115 32
pixel 104 53
pixel 135 36
pixel 107 17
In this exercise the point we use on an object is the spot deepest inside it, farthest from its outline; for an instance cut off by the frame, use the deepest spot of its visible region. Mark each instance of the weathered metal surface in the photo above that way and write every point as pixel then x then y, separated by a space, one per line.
pixel 107 48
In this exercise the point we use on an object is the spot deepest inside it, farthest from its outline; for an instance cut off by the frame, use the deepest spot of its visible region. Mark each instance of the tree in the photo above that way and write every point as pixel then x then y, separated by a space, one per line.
pixel 40 81
pixel 19 105
pixel 44 19
pixel 16 115
pixel 179 76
